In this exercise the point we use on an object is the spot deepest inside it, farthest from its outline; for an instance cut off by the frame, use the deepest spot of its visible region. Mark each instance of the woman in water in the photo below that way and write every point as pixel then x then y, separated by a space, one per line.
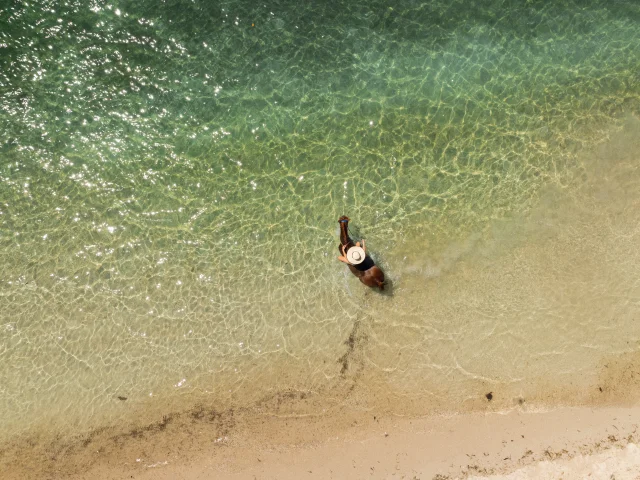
pixel 354 255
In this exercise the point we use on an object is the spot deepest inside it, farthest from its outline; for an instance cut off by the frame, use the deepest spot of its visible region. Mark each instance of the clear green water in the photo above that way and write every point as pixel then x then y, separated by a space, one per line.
pixel 171 174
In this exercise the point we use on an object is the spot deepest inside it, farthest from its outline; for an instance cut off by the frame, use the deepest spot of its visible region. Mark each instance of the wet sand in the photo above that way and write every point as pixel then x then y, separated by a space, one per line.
pixel 277 440
pixel 567 443
pixel 523 443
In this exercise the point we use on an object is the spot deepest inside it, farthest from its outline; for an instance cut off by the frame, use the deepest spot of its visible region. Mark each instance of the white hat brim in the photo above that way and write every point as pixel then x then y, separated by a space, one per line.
pixel 355 255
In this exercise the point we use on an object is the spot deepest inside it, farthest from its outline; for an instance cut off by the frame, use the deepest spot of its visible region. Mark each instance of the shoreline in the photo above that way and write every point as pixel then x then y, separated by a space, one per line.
pixel 458 446
pixel 352 444
pixel 202 441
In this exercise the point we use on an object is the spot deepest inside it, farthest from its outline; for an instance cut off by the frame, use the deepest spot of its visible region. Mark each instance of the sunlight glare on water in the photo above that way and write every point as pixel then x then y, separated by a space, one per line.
pixel 171 174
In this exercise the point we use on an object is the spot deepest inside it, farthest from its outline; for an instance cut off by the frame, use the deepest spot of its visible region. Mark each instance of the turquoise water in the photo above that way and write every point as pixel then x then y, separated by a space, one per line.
pixel 171 174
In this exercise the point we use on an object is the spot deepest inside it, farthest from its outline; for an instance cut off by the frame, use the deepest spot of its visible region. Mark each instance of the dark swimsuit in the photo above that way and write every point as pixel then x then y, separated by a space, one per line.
pixel 366 265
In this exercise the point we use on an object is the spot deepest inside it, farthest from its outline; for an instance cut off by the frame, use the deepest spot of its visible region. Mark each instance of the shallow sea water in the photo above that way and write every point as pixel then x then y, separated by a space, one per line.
pixel 171 175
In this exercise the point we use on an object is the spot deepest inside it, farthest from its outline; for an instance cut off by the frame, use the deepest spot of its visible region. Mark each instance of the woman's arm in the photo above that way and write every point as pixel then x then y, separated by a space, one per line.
pixel 343 257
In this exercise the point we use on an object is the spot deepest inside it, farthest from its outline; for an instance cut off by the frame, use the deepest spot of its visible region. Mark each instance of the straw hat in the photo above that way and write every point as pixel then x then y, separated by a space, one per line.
pixel 355 255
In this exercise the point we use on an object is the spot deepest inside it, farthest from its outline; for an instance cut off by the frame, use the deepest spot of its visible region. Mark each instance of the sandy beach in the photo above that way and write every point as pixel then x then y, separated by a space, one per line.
pixel 564 443
pixel 462 446
pixel 577 442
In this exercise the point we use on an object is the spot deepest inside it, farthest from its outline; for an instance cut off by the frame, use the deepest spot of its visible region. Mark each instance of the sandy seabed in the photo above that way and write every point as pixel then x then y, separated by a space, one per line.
pixel 366 440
